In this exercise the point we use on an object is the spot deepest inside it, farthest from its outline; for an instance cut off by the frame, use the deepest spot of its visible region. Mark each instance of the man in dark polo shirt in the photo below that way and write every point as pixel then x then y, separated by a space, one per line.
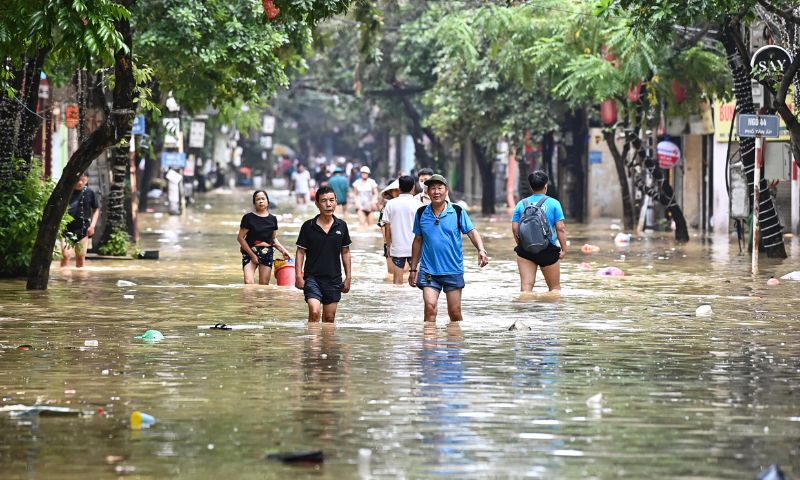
pixel 322 242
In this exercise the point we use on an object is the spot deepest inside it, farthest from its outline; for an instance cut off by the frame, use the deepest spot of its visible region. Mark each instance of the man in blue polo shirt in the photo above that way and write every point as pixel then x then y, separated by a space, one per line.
pixel 437 258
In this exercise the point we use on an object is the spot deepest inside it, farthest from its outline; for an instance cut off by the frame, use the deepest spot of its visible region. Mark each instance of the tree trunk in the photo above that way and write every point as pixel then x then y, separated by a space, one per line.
pixel 622 176
pixel 116 213
pixel 522 181
pixel 770 227
pixel 660 189
pixel 30 121
pixel 116 125
pixel 485 164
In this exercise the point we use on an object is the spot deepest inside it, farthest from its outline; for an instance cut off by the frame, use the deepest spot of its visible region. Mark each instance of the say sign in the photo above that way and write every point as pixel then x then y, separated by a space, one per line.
pixel 770 59
pixel 759 126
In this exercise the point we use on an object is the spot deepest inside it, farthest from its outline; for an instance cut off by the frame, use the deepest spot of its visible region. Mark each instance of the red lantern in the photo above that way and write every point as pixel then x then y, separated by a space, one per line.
pixel 608 112
pixel 607 54
pixel 270 9
pixel 679 91
pixel 635 92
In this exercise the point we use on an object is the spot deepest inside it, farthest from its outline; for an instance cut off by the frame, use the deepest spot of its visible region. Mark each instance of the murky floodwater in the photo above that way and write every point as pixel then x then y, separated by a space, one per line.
pixel 683 396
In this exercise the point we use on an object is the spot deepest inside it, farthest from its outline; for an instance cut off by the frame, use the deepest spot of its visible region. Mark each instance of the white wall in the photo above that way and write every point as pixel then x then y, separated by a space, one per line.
pixel 604 198
pixel 720 190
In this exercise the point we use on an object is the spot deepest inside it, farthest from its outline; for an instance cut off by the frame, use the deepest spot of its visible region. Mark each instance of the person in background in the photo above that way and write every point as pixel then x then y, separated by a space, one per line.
pixel 338 182
pixel 437 257
pixel 423 175
pixel 301 184
pixel 366 195
pixel 398 215
pixel 548 259
pixel 258 237
pixel 85 211
pixel 321 177
pixel 391 191
pixel 323 248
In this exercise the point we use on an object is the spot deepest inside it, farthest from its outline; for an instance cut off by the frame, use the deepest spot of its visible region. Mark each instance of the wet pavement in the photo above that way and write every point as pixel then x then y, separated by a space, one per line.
pixel 382 395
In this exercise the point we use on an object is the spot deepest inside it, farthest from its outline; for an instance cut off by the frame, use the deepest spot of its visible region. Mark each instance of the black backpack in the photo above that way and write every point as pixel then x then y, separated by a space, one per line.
pixel 534 228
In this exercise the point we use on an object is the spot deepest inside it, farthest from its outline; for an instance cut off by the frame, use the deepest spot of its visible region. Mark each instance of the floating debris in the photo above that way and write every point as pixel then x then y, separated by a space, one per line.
pixel 313 457
pixel 151 336
pixel 518 326
pixel 704 311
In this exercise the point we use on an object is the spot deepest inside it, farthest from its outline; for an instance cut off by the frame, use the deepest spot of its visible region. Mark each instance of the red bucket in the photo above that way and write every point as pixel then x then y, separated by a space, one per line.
pixel 284 273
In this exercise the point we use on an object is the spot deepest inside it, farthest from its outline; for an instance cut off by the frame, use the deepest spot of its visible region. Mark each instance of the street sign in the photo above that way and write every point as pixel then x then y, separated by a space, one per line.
pixel 197 134
pixel 173 159
pixel 759 126
pixel 268 124
pixel 71 116
pixel 138 125
pixel 770 59
pixel 172 126
pixel 266 141
pixel 668 154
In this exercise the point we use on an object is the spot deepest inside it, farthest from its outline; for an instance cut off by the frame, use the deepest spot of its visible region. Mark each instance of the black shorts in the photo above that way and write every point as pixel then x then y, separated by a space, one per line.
pixel 401 261
pixel 545 258
pixel 326 290
pixel 263 253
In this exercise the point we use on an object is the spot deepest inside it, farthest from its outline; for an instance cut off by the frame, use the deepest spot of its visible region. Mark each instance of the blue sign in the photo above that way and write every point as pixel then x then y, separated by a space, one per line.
pixel 138 125
pixel 595 157
pixel 759 126
pixel 173 160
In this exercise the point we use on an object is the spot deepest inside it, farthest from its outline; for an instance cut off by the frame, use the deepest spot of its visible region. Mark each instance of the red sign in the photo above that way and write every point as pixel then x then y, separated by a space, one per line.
pixel 669 154
pixel 71 113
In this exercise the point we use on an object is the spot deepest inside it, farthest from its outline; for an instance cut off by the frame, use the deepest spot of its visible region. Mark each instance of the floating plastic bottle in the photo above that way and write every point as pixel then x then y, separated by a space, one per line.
pixel 140 420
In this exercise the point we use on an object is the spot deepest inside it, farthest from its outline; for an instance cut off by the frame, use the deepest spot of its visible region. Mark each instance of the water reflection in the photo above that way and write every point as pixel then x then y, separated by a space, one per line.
pixel 442 387
pixel 325 384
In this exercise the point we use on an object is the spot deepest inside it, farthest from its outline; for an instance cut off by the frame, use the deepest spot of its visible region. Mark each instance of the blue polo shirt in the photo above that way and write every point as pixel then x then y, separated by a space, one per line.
pixel 441 244
pixel 552 208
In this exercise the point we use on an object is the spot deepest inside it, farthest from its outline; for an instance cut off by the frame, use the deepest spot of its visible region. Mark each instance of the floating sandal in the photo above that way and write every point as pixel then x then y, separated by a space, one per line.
pixel 220 326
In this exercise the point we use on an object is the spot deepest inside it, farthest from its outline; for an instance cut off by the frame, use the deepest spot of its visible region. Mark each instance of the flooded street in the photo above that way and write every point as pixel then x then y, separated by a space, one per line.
pixel 711 397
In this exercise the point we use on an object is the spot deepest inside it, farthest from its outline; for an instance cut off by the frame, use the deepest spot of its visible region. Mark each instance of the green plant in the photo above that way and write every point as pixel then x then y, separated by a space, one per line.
pixel 118 243
pixel 137 251
pixel 20 214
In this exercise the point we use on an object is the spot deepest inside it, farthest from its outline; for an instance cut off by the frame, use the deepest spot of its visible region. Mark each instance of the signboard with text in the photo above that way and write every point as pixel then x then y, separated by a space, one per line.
pixel 759 126
pixel 724 116
pixel 197 134
pixel 138 125
pixel 173 160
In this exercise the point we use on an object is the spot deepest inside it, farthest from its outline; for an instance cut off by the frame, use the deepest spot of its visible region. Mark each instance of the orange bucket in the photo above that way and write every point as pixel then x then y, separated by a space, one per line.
pixel 284 272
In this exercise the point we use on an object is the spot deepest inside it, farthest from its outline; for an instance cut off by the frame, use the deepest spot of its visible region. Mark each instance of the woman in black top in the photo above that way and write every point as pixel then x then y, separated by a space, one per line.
pixel 258 237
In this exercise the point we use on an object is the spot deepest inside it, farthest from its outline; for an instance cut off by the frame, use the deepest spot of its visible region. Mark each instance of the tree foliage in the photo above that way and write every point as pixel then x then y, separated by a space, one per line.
pixel 222 52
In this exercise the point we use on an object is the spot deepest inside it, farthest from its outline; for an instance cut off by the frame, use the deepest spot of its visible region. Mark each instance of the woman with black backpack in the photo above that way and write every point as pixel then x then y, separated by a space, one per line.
pixel 539 229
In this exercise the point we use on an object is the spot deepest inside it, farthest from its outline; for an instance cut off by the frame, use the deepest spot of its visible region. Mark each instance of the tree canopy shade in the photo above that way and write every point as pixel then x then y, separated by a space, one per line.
pixel 591 60
pixel 723 21
pixel 482 91
pixel 224 51
pixel 208 52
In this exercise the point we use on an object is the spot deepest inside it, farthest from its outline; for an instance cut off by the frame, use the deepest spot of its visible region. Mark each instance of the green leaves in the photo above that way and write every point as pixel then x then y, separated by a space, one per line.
pixel 218 52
